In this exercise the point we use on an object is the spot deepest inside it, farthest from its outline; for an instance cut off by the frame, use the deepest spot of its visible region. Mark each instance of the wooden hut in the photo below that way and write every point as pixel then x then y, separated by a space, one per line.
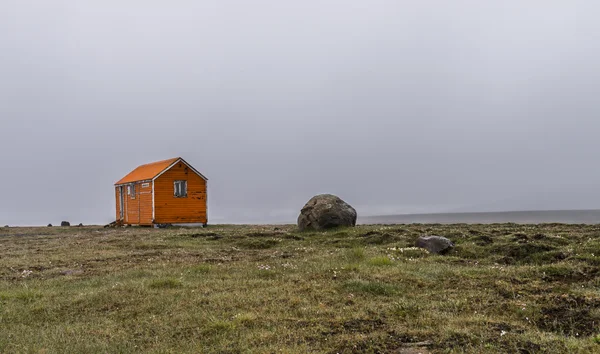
pixel 163 192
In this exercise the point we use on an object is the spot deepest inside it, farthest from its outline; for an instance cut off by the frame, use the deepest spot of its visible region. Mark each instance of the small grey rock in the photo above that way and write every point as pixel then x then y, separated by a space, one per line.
pixel 49 225
pixel 80 225
pixel 435 244
pixel 6 226
pixel 65 223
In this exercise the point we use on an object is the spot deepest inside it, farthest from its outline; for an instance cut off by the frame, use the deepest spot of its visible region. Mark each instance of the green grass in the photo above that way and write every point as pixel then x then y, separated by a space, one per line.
pixel 168 283
pixel 238 289
pixel 381 261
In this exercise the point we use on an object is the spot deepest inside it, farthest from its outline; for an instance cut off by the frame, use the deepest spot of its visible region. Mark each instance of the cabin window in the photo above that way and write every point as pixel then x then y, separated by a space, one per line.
pixel 131 190
pixel 180 189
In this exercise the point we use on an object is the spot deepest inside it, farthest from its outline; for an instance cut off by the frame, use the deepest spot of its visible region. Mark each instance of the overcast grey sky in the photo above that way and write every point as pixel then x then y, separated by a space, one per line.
pixel 396 106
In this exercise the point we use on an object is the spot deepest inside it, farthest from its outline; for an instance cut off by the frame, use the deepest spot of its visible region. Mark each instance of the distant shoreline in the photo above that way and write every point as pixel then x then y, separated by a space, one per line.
pixel 583 216
pixel 519 217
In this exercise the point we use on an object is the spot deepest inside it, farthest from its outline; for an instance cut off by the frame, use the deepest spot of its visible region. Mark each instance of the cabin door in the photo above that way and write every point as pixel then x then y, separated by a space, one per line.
pixel 121 202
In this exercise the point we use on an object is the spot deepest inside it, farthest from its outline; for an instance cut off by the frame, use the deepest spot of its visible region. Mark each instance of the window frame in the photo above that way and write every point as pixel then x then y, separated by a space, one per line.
pixel 131 190
pixel 182 189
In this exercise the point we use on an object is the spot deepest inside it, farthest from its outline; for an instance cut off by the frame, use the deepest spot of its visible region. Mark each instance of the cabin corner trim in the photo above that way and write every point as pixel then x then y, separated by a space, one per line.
pixel 153 212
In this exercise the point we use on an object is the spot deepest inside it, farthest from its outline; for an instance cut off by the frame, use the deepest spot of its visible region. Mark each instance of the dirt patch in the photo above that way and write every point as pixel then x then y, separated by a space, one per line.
pixel 386 342
pixel 570 315
pixel 507 327
pixel 293 237
pixel 378 238
pixel 362 325
pixel 358 325
pixel 264 234
pixel 520 238
pixel 529 252
pixel 258 244
pixel 539 236
pixel 483 240
pixel 529 347
pixel 207 235
pixel 568 274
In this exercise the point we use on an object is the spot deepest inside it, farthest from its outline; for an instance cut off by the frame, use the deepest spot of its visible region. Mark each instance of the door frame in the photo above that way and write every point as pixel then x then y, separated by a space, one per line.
pixel 121 203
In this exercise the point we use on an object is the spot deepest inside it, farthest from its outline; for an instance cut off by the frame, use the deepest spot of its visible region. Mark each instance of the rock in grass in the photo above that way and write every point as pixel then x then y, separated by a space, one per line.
pixel 80 225
pixel 49 225
pixel 435 244
pixel 65 223
pixel 326 211
pixel 6 226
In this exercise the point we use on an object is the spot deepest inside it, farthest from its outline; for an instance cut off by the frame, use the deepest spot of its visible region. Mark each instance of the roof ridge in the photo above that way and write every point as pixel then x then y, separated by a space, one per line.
pixel 147 171
pixel 160 161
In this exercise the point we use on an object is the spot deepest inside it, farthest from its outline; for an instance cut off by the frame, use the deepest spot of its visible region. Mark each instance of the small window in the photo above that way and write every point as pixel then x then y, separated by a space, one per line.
pixel 180 189
pixel 131 190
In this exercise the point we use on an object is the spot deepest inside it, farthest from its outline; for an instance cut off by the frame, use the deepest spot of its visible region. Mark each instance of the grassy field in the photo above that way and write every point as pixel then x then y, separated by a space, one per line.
pixel 240 289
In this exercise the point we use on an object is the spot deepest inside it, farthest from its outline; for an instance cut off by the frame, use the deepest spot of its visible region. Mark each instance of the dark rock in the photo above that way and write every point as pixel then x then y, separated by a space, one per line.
pixel 65 223
pixel 435 244
pixel 49 225
pixel 80 225
pixel 326 211
pixel 6 226
pixel 163 226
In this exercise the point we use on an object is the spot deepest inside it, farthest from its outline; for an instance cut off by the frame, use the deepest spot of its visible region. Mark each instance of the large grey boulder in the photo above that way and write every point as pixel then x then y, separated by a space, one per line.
pixel 65 223
pixel 435 244
pixel 326 211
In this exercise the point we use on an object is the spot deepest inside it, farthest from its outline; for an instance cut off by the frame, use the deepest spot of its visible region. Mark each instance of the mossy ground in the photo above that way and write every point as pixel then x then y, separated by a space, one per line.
pixel 233 289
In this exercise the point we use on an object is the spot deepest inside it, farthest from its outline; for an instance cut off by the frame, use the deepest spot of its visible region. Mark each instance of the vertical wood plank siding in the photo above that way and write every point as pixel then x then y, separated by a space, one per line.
pixel 133 206
pixel 145 200
pixel 170 209
pixel 126 206
pixel 137 211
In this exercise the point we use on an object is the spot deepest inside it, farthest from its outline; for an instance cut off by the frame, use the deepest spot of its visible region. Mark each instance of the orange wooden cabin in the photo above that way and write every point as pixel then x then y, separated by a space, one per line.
pixel 162 192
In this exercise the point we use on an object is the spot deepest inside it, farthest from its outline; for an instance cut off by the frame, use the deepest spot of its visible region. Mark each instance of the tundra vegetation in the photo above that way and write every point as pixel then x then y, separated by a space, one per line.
pixel 233 289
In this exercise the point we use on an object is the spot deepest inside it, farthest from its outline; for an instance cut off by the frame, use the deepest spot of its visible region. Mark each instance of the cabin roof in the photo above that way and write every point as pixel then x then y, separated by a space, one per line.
pixel 152 170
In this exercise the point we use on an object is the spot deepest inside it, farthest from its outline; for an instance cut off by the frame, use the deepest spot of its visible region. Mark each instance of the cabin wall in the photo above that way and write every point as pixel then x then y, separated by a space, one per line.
pixel 137 210
pixel 145 199
pixel 125 205
pixel 133 206
pixel 169 209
